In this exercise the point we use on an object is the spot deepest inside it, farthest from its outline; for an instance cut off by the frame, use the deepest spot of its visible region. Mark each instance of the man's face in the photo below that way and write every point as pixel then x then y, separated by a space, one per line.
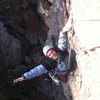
pixel 52 54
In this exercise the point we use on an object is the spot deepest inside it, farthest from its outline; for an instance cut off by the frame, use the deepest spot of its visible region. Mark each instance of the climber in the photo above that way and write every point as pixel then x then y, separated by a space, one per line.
pixel 54 64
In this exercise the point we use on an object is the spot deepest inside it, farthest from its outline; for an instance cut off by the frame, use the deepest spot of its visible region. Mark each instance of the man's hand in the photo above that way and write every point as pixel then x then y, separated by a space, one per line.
pixel 67 26
pixel 19 79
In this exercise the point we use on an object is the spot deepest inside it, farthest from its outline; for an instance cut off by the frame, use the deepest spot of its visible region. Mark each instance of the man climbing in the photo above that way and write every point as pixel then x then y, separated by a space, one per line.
pixel 54 64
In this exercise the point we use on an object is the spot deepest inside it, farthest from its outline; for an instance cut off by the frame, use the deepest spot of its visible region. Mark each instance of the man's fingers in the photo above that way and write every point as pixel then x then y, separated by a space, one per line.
pixel 18 79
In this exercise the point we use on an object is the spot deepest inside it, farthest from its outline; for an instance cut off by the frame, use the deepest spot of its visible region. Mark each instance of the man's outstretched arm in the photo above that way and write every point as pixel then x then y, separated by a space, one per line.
pixel 38 70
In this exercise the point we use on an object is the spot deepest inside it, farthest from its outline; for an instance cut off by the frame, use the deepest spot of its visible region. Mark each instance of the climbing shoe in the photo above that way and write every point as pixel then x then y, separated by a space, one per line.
pixel 54 78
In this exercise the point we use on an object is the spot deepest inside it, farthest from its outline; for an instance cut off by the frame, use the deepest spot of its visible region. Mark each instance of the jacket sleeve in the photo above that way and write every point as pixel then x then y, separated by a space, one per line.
pixel 38 70
pixel 62 41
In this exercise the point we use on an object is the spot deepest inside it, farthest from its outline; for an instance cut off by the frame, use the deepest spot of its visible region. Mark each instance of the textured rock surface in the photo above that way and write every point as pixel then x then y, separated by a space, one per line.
pixel 86 15
pixel 10 48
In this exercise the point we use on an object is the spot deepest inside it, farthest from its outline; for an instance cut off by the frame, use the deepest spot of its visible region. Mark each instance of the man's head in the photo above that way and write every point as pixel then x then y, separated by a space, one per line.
pixel 49 51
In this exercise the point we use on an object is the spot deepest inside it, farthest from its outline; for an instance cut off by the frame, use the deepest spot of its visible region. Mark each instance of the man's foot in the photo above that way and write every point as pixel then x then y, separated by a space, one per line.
pixel 54 78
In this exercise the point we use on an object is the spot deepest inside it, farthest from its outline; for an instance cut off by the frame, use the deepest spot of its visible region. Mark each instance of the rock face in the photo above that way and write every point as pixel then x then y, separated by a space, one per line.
pixel 39 16
pixel 10 49
pixel 85 82
pixel 20 46
pixel 86 16
pixel 58 16
pixel 36 29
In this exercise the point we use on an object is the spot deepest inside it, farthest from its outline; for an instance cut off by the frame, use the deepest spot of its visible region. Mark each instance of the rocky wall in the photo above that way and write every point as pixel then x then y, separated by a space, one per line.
pixel 86 81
